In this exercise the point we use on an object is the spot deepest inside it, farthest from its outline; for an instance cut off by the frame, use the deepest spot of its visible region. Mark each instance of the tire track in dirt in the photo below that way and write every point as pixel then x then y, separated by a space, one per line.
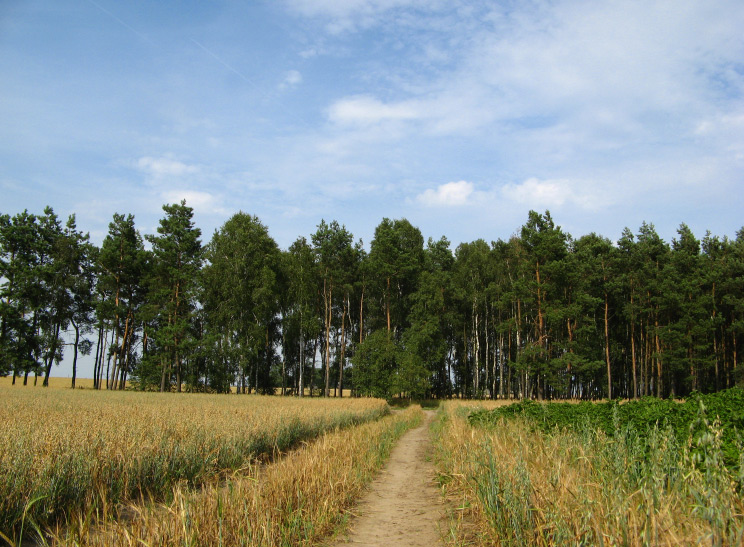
pixel 402 506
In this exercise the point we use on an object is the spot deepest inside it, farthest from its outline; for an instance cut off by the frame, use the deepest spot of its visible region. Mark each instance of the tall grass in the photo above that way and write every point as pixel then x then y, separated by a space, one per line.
pixel 516 485
pixel 295 500
pixel 66 453
pixel 55 382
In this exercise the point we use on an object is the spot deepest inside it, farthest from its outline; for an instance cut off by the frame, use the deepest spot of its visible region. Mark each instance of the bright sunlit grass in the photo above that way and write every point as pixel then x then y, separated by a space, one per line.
pixel 67 452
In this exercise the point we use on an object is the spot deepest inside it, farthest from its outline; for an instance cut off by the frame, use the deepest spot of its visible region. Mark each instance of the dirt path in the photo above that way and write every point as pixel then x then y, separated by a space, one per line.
pixel 402 507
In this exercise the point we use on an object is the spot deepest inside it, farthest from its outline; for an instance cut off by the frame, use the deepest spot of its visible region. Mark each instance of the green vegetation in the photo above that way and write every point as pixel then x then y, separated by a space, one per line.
pixel 636 420
pixel 541 315
pixel 521 481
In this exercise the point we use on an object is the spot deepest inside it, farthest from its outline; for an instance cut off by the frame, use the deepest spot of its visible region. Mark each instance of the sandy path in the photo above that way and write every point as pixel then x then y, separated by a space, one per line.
pixel 402 507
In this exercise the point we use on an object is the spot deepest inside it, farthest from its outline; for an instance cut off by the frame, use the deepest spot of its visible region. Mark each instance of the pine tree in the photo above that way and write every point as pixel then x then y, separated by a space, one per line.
pixel 20 294
pixel 177 258
pixel 123 264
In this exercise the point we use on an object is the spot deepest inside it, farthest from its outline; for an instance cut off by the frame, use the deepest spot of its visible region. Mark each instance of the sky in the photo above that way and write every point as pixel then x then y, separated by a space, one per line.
pixel 459 115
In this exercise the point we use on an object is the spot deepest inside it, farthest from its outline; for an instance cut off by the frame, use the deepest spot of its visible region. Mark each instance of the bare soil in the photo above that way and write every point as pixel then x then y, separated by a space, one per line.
pixel 403 506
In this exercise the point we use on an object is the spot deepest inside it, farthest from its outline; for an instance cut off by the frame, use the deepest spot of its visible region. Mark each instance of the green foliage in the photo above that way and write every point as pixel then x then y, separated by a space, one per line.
pixel 240 297
pixel 46 280
pixel 540 484
pixel 177 260
pixel 541 315
pixel 395 260
pixel 375 363
pixel 685 419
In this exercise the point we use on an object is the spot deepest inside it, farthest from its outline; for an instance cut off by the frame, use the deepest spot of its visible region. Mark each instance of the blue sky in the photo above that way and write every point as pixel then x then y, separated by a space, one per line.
pixel 458 115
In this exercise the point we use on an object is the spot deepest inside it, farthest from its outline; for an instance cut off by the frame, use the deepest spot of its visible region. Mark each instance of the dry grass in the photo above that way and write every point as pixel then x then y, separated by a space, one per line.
pixel 517 486
pixel 87 383
pixel 68 453
pixel 54 383
pixel 296 500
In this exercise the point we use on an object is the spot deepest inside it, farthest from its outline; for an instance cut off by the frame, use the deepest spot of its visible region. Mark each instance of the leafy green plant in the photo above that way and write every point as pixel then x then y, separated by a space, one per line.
pixel 636 417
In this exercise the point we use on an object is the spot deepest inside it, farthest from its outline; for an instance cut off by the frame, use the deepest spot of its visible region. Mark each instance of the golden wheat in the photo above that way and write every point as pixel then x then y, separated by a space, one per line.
pixel 296 500
pixel 66 452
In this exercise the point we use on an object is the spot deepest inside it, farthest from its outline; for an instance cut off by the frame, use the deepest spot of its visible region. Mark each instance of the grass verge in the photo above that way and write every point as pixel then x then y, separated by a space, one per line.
pixel 514 484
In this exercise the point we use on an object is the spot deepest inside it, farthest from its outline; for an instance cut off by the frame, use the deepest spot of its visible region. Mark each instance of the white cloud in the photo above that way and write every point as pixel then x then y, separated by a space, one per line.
pixel 614 72
pixel 537 193
pixel 160 167
pixel 291 78
pixel 203 202
pixel 548 194
pixel 366 110
pixel 450 194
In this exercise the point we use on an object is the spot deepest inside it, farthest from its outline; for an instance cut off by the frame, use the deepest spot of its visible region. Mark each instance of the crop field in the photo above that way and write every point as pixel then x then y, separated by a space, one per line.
pixel 296 500
pixel 54 382
pixel 69 458
pixel 643 473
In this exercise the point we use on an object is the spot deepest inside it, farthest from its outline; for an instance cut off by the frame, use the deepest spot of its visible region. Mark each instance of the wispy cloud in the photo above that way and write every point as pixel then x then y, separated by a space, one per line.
pixel 202 202
pixel 348 15
pixel 164 167
pixel 291 79
pixel 552 194
pixel 365 110
pixel 447 195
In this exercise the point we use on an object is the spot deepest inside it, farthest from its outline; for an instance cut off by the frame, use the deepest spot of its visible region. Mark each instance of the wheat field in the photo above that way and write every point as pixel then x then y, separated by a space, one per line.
pixel 65 454
pixel 297 500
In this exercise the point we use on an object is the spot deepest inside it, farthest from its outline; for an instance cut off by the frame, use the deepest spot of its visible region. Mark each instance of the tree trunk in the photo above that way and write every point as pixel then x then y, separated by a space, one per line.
pixel 518 349
pixel 540 321
pixel 267 351
pixel 501 365
pixel 633 348
pixel 658 358
pixel 104 349
pixel 607 346
pixel 509 392
pixel 361 315
pixel 301 385
pixel 164 376
pixel 121 352
pixel 387 305
pixel 312 370
pixel 476 350
pixel 328 296
pixel 52 353
pixel 178 370
pixel 96 361
pixel 734 355
pixel 284 364
pixel 75 351
pixel 343 347
pixel 487 369
pixel 108 369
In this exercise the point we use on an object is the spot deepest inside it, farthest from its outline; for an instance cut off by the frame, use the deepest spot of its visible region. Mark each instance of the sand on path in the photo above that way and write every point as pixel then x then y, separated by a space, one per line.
pixel 403 505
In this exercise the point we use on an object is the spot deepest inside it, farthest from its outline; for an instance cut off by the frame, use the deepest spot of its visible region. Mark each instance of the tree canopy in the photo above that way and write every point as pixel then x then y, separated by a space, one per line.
pixel 540 315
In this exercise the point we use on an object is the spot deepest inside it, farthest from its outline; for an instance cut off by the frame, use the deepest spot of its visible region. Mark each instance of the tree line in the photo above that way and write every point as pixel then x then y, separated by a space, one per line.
pixel 539 315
